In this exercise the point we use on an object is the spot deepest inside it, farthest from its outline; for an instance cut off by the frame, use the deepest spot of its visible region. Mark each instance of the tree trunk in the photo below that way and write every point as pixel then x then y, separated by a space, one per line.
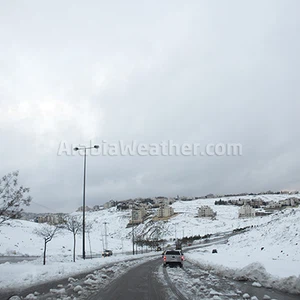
pixel 45 245
pixel 74 247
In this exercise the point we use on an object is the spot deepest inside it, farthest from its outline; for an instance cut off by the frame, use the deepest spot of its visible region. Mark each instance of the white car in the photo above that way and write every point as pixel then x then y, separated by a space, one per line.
pixel 173 257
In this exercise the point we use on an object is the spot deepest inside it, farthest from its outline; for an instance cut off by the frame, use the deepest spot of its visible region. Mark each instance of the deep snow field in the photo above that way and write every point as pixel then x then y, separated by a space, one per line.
pixel 277 264
pixel 268 254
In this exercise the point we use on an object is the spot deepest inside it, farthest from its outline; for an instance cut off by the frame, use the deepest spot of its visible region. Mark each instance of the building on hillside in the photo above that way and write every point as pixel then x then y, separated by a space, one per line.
pixel 272 204
pixel 184 198
pixel 97 207
pixel 296 200
pixel 210 196
pixel 246 211
pixel 165 211
pixel 242 201
pixel 262 213
pixel 110 204
pixel 284 192
pixel 159 200
pixel 87 208
pixel 257 203
pixel 122 206
pixel 206 212
pixel 138 215
pixel 290 202
pixel 52 219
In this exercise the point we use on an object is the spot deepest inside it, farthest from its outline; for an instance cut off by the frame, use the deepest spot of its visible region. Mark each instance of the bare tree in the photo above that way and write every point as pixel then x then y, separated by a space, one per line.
pixel 74 225
pixel 88 229
pixel 12 197
pixel 47 232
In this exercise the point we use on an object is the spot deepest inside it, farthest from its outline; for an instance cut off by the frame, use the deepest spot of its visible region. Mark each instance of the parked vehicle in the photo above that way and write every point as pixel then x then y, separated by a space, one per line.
pixel 173 257
pixel 107 253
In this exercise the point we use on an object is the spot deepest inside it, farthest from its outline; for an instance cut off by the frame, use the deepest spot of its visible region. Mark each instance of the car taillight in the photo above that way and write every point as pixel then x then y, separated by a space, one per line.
pixel 165 258
pixel 182 257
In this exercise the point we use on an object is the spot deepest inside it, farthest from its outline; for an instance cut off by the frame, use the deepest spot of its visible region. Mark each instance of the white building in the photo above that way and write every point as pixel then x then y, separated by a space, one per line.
pixel 160 200
pixel 273 204
pixel 289 202
pixel 242 201
pixel 165 210
pixel 109 204
pixel 137 215
pixel 52 219
pixel 206 211
pixel 246 211
pixel 87 208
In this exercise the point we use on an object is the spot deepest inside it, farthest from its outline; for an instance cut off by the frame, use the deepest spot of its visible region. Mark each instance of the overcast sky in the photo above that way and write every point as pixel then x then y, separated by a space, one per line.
pixel 81 72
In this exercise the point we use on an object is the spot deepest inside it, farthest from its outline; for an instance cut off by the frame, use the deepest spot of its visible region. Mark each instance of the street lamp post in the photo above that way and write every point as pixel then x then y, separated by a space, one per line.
pixel 132 233
pixel 83 196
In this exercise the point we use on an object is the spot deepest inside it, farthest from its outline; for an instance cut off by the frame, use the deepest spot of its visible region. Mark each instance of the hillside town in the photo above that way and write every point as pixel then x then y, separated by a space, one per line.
pixel 160 207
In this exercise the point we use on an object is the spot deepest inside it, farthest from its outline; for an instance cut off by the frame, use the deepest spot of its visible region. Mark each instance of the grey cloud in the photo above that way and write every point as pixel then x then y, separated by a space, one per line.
pixel 200 72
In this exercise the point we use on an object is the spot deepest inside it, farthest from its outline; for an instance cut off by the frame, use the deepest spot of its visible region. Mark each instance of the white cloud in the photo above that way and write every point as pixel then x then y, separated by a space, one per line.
pixel 200 73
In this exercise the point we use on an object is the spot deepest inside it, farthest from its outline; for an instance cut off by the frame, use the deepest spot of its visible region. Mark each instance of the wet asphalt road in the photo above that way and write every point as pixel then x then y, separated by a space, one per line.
pixel 139 283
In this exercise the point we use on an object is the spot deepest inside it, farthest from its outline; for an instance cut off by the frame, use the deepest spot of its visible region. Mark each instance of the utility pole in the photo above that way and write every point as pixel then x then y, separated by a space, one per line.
pixel 105 233
pixel 132 240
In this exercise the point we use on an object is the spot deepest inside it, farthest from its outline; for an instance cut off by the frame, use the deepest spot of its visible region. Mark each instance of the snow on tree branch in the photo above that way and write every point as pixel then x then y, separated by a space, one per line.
pixel 47 232
pixel 12 197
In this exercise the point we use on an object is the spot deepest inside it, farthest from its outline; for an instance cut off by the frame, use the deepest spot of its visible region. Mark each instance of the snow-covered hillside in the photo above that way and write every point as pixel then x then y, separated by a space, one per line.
pixel 277 234
pixel 267 253
pixel 187 224
pixel 17 236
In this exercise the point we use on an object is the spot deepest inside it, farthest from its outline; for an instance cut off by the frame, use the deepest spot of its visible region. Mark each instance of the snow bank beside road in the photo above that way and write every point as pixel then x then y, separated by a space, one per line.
pixel 25 274
pixel 269 254
pixel 255 272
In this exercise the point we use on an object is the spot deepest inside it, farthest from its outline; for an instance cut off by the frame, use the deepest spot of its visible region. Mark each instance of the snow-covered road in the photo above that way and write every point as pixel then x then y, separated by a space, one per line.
pixel 192 283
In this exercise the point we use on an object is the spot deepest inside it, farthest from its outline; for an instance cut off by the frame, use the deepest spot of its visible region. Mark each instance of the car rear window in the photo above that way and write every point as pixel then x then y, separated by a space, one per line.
pixel 173 252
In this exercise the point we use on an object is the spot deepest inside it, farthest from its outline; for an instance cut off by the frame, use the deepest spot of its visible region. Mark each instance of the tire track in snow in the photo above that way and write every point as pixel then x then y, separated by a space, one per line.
pixel 174 289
